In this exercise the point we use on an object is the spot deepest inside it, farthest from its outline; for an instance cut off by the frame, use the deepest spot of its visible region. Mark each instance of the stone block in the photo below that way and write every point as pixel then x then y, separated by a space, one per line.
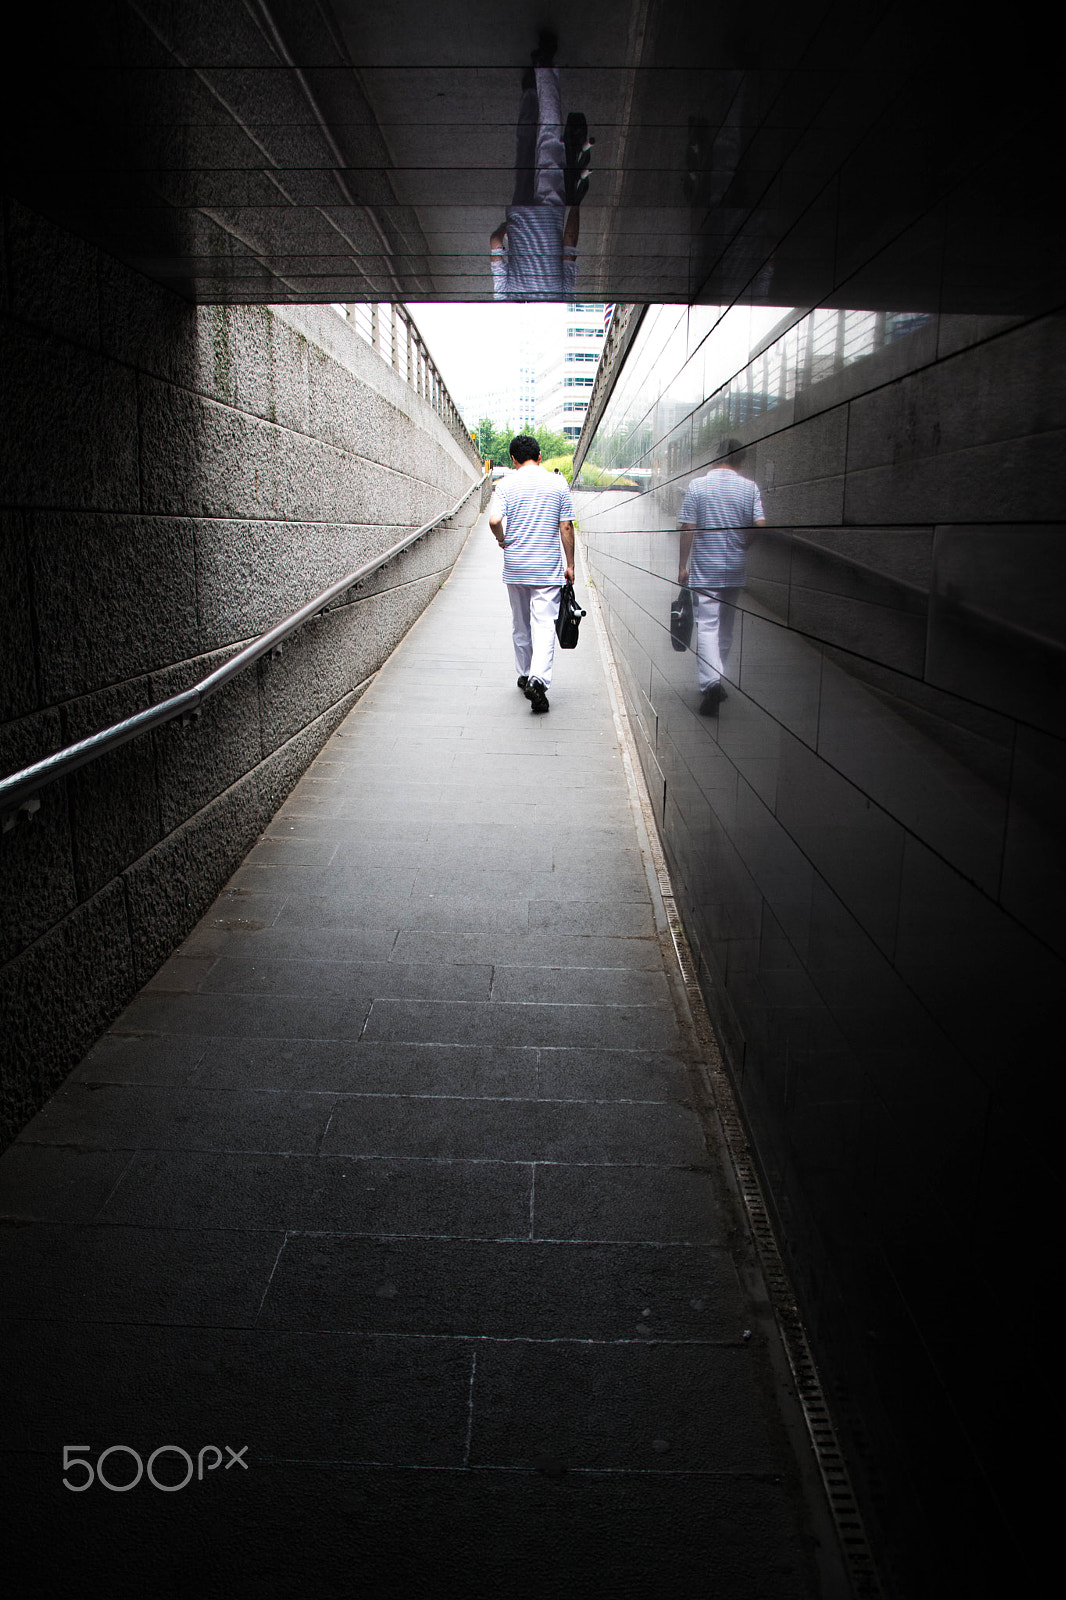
pixel 53 278
pixel 1007 389
pixel 86 960
pixel 113 801
pixel 171 887
pixel 954 943
pixel 37 885
pixel 334 654
pixel 18 674
pixel 855 846
pixel 71 434
pixel 939 765
pixel 198 760
pixel 958 331
pixel 997 624
pixel 903 554
pixel 1004 481
pixel 883 366
pixel 251 574
pixel 809 451
pixel 115 596
pixel 1033 867
pixel 886 634
pixel 146 326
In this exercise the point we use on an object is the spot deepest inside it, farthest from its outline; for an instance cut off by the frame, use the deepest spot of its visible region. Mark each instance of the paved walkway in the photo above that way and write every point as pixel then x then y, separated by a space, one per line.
pixel 393 1175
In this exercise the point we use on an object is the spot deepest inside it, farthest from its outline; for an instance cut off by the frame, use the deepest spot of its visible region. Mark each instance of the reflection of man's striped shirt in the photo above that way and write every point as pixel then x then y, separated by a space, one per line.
pixel 718 507
pixel 534 503
pixel 537 266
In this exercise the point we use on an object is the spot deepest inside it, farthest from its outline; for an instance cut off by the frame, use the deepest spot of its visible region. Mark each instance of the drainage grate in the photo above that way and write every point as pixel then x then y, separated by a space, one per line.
pixel 843 1504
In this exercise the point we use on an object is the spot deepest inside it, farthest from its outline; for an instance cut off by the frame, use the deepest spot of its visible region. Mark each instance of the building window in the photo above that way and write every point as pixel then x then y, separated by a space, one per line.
pixel 575 405
pixel 578 383
pixel 584 333
pixel 582 355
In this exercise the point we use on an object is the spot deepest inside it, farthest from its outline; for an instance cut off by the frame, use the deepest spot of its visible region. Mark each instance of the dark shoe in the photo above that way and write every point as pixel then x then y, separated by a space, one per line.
pixel 712 699
pixel 536 695
pixel 578 148
pixel 547 44
pixel 522 682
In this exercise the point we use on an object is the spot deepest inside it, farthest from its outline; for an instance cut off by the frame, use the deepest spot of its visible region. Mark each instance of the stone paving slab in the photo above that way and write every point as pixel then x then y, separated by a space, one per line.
pixel 396 1174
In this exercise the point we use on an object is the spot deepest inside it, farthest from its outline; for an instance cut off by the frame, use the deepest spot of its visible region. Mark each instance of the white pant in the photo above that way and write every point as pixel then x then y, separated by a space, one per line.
pixel 715 612
pixel 551 151
pixel 533 614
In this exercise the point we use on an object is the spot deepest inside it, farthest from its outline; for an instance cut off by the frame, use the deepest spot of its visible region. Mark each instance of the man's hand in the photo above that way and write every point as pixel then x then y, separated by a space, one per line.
pixel 497 533
pixel 570 573
pixel 682 576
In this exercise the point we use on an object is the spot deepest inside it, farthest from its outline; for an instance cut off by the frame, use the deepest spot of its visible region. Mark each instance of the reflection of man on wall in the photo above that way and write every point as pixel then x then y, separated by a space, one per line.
pixel 717 516
pixel 534 250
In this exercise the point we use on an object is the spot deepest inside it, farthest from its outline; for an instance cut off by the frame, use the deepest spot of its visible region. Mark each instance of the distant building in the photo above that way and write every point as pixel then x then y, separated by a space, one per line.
pixel 568 367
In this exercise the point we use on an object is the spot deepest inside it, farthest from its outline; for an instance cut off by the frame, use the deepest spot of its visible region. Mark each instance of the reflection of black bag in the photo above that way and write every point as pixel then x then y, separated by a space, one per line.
pixel 681 620
pixel 569 619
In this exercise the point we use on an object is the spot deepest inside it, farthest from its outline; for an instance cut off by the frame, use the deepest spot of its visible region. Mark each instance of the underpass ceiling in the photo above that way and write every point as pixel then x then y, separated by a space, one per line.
pixel 298 150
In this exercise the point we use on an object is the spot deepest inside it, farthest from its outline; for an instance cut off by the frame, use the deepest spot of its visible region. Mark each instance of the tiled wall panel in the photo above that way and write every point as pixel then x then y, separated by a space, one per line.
pixel 866 835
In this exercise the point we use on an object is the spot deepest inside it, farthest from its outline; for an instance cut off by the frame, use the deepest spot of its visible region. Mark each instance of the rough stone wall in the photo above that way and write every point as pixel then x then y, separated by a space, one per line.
pixel 174 480
pixel 867 844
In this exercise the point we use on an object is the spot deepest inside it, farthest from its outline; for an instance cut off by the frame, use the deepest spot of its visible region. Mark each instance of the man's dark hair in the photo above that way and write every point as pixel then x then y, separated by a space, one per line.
pixel 523 448
pixel 731 447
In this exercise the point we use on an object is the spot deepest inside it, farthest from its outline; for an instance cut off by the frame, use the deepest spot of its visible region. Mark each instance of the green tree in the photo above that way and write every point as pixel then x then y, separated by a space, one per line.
pixel 495 440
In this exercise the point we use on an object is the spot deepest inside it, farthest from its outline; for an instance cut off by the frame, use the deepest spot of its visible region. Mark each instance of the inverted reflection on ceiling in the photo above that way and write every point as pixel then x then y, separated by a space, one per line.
pixel 280 150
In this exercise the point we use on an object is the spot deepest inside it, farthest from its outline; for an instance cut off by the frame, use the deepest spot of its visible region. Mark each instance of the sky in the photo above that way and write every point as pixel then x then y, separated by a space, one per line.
pixel 471 343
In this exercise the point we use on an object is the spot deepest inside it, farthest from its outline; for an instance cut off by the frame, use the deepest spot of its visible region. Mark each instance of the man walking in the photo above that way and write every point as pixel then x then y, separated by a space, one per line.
pixel 717 516
pixel 539 531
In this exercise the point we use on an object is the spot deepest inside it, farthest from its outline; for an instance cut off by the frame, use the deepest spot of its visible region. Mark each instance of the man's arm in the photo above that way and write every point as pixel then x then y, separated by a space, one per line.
pixel 566 534
pixel 747 534
pixel 497 531
pixel 688 530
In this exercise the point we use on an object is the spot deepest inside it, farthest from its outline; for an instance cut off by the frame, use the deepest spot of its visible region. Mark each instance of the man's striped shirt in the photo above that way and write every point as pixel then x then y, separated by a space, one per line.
pixel 534 503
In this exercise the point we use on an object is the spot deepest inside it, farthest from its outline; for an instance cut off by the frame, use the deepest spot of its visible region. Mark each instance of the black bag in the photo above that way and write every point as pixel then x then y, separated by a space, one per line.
pixel 569 619
pixel 681 620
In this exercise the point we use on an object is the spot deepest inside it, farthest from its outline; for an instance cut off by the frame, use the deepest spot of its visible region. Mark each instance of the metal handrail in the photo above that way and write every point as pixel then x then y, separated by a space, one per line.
pixel 18 793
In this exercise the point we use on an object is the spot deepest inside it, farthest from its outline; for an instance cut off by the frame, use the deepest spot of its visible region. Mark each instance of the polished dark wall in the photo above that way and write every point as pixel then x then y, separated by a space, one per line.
pixel 173 482
pixel 866 839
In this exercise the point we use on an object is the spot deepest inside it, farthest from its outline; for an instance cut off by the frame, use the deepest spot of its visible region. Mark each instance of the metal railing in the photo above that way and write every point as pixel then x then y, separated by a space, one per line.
pixel 392 332
pixel 19 792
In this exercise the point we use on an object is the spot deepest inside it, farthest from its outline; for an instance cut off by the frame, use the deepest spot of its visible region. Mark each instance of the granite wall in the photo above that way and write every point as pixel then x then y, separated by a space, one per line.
pixel 866 839
pixel 174 480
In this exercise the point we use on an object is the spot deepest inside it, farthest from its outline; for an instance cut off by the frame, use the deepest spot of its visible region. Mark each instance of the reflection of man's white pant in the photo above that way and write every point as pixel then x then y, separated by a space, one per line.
pixel 551 152
pixel 715 613
pixel 533 614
